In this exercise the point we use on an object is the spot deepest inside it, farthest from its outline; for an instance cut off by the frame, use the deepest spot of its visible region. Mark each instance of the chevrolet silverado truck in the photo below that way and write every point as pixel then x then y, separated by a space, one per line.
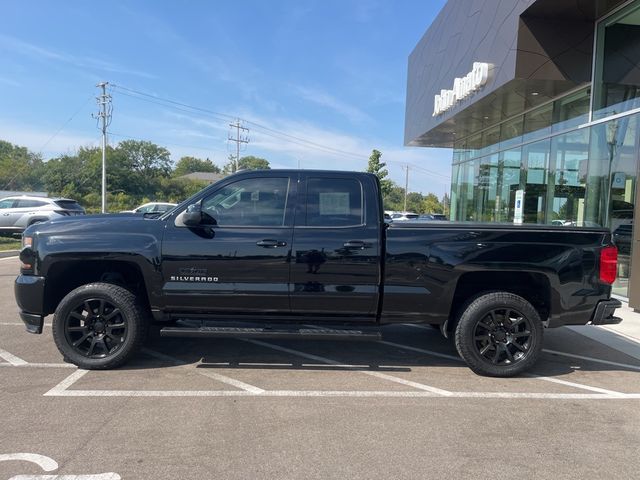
pixel 307 254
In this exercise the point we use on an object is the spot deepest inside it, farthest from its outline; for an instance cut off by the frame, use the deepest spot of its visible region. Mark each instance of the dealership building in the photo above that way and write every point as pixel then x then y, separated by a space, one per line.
pixel 540 102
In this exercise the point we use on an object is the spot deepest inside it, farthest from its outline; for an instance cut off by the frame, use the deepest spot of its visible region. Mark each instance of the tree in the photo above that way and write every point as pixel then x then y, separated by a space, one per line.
pixel 394 200
pixel 376 167
pixel 246 163
pixel 188 165
pixel 20 169
pixel 146 158
pixel 431 204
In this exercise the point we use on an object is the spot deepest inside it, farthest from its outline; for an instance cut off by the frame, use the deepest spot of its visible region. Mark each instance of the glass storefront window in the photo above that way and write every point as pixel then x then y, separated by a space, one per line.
pixel 511 132
pixel 572 110
pixel 537 122
pixel 509 181
pixel 569 158
pixel 535 160
pixel 490 140
pixel 617 75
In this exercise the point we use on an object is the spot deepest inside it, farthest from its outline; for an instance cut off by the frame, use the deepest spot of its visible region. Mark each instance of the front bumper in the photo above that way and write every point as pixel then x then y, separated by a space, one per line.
pixel 29 292
pixel 603 314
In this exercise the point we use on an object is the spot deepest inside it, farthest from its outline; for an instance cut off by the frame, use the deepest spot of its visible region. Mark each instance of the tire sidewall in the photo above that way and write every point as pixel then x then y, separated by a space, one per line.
pixel 131 314
pixel 478 308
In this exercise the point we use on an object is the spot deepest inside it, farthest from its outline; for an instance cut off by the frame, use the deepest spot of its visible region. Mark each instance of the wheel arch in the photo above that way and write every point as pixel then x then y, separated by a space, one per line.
pixel 534 287
pixel 65 276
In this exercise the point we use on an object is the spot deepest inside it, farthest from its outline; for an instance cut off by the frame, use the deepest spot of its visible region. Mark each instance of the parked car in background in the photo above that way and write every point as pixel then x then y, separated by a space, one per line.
pixel 433 216
pixel 152 207
pixel 404 216
pixel 622 238
pixel 17 213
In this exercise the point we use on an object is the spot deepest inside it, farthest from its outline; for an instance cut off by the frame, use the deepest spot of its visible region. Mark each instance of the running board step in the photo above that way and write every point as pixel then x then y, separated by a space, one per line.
pixel 265 332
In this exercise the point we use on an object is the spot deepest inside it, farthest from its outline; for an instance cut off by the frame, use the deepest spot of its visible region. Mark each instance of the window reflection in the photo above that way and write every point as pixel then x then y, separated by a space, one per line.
pixel 618 63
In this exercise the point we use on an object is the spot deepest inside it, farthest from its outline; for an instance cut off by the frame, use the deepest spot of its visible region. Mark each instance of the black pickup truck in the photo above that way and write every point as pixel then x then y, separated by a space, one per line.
pixel 307 254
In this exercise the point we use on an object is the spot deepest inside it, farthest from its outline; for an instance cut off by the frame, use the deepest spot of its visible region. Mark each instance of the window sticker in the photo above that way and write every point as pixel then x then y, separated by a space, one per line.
pixel 334 203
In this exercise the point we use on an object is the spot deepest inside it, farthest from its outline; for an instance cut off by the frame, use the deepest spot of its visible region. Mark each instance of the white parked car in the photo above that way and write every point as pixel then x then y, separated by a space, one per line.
pixel 152 207
pixel 404 216
pixel 17 213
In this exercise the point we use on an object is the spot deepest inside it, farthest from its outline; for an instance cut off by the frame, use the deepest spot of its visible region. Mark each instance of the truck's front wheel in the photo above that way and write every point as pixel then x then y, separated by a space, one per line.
pixel 499 334
pixel 99 326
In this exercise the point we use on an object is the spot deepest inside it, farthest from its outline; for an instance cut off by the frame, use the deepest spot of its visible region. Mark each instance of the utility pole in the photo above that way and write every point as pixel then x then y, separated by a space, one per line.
pixel 239 138
pixel 104 115
pixel 406 186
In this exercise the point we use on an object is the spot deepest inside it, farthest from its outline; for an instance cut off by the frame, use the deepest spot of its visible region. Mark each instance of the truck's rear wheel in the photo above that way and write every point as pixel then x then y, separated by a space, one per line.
pixel 499 334
pixel 99 326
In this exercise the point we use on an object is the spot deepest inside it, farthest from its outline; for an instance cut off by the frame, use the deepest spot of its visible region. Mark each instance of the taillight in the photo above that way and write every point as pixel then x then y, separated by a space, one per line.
pixel 608 263
pixel 27 255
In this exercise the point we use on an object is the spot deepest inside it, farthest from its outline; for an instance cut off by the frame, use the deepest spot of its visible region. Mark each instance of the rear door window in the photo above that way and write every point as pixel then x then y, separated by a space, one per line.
pixel 334 202
pixel 27 203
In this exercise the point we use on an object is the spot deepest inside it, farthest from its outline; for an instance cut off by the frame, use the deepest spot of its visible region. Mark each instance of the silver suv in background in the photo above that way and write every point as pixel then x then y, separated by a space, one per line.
pixel 17 213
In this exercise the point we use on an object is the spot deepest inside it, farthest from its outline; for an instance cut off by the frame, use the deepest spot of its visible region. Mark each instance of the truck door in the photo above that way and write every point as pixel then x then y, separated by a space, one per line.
pixel 240 263
pixel 335 258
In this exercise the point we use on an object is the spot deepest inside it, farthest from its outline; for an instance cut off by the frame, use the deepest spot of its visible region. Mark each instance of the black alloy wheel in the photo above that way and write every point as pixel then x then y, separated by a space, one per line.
pixel 503 336
pixel 499 334
pixel 95 328
pixel 99 326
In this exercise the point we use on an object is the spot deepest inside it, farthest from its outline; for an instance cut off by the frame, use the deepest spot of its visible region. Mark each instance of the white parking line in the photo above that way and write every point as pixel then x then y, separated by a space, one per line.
pixel 11 358
pixel 591 359
pixel 61 388
pixel 40 365
pixel 575 385
pixel 338 393
pixel 213 375
pixel 533 376
pixel 329 361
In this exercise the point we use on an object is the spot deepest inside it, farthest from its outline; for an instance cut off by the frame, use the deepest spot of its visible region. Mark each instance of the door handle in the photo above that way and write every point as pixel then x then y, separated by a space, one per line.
pixel 355 244
pixel 269 243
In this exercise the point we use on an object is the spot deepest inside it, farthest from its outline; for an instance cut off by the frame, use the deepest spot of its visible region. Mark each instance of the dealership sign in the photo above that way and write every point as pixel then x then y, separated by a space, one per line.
pixel 462 88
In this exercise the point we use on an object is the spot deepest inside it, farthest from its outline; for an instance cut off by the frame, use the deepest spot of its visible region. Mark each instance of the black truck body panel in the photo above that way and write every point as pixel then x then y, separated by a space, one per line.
pixel 364 272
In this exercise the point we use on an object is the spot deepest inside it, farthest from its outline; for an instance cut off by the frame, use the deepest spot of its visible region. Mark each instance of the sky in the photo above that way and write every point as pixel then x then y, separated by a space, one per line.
pixel 319 84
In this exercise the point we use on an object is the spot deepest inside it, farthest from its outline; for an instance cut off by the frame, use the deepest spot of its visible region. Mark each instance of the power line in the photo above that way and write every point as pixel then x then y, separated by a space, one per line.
pixel 271 131
pixel 204 149
pixel 262 129
pixel 65 124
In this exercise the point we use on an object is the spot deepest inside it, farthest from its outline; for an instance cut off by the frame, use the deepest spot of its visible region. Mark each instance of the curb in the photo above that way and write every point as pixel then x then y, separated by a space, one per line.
pixel 9 253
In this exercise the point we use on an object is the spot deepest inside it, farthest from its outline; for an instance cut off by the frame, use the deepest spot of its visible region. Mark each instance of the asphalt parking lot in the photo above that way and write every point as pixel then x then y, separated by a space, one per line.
pixel 406 407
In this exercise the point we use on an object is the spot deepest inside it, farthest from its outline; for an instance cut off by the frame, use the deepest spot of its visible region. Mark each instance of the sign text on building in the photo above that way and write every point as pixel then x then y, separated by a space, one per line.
pixel 462 88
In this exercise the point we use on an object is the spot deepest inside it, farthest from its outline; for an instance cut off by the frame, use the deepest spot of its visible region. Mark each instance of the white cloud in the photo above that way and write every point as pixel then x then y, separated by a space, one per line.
pixel 8 81
pixel 24 48
pixel 326 100
pixel 37 138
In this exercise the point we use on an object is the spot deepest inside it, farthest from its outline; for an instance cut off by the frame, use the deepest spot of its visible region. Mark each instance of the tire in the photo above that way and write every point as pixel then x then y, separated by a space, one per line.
pixel 499 334
pixel 99 326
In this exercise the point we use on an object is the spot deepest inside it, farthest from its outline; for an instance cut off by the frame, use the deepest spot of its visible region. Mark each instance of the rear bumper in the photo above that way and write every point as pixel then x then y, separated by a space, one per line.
pixel 603 314
pixel 29 292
